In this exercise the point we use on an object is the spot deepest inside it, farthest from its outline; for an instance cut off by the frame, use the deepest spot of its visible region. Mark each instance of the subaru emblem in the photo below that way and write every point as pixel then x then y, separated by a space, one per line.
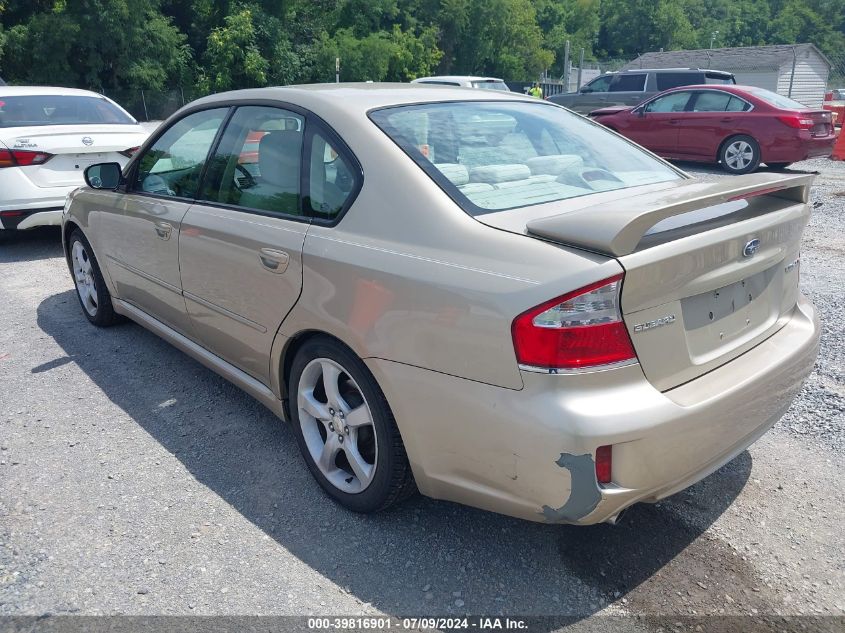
pixel 87 140
pixel 751 248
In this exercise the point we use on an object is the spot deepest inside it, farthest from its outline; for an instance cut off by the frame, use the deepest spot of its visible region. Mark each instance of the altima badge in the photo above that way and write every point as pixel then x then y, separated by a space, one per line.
pixel 751 248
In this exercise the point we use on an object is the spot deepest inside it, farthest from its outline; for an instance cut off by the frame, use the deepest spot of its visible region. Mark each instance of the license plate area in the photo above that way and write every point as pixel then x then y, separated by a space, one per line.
pixel 724 318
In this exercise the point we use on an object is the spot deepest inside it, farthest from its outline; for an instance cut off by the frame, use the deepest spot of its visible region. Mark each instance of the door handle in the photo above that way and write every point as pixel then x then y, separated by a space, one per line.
pixel 674 121
pixel 163 229
pixel 274 260
pixel 727 119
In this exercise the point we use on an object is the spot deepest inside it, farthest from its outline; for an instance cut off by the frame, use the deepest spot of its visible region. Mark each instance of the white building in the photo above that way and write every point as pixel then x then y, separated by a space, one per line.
pixel 799 71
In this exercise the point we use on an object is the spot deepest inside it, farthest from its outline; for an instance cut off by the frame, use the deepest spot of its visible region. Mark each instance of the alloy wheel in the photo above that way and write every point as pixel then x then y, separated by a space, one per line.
pixel 337 425
pixel 739 155
pixel 83 275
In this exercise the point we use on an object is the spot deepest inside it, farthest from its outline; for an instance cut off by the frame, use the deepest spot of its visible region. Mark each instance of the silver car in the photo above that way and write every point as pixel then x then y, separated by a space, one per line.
pixel 488 299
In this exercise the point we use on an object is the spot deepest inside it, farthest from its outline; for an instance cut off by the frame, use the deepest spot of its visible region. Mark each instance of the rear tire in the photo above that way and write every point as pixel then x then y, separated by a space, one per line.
pixel 91 288
pixel 345 429
pixel 740 155
pixel 777 166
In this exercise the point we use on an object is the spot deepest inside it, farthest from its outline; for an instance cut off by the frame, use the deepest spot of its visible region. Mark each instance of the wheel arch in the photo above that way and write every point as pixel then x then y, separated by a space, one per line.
pixel 732 135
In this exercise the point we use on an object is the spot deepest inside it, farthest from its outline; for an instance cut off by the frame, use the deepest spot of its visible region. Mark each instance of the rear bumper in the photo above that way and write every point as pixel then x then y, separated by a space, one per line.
pixel 529 453
pixel 799 148
pixel 37 204
pixel 21 220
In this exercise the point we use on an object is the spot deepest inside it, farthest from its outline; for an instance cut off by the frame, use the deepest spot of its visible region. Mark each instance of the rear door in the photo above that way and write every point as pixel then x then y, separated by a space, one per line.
pixel 240 248
pixel 141 231
pixel 713 116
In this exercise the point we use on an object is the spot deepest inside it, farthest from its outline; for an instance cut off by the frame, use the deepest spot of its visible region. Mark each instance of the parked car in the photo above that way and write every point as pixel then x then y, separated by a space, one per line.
pixel 468 81
pixel 632 87
pixel 48 136
pixel 834 100
pixel 738 127
pixel 545 321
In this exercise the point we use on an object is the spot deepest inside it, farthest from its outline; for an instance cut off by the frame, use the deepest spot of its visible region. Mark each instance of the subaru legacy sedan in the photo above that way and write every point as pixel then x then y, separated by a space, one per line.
pixel 482 297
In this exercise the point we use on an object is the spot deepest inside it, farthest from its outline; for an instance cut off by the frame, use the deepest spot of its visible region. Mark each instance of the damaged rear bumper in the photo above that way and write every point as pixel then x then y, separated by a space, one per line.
pixel 529 453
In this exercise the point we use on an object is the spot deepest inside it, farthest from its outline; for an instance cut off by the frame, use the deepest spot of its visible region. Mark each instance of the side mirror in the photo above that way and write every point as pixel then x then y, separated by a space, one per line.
pixel 640 112
pixel 103 176
pixel 585 90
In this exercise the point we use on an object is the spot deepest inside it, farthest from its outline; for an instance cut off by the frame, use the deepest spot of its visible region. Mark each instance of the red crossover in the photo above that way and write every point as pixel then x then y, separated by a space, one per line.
pixel 736 126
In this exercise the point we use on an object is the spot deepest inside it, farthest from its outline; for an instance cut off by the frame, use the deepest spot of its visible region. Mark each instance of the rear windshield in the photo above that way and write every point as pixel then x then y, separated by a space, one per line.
pixel 772 98
pixel 34 110
pixel 490 84
pixel 491 156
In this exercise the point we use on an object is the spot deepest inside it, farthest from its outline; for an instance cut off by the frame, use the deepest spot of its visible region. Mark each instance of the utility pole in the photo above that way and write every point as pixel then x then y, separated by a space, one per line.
pixel 580 70
pixel 713 36
pixel 566 67
pixel 337 70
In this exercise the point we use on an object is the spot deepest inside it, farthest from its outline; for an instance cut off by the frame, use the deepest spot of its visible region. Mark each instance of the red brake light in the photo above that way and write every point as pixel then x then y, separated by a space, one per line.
pixel 130 152
pixel 797 121
pixel 22 158
pixel 604 464
pixel 581 329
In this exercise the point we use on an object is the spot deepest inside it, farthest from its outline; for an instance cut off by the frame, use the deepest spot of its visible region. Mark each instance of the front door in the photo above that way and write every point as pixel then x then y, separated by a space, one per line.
pixel 657 126
pixel 240 248
pixel 143 229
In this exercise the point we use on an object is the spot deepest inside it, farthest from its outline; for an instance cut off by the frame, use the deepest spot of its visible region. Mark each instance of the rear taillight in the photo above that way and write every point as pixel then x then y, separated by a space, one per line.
pixel 129 153
pixel 581 329
pixel 797 121
pixel 22 158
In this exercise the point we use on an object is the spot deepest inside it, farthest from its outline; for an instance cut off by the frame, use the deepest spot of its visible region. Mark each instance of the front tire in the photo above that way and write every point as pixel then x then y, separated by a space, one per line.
pixel 91 288
pixel 345 429
pixel 740 155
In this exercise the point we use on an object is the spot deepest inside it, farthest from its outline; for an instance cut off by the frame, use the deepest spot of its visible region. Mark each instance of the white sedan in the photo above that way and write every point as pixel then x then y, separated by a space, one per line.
pixel 48 136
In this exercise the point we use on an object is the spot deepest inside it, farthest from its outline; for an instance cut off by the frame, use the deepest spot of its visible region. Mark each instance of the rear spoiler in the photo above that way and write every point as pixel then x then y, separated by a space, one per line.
pixel 616 228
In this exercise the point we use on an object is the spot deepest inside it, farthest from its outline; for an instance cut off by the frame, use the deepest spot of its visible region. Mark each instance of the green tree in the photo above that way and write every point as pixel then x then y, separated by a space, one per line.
pixel 232 59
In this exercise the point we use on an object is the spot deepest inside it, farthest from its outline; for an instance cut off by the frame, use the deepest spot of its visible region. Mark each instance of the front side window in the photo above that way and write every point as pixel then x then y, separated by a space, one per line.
pixel 257 164
pixel 174 164
pixel 491 156
pixel 39 110
pixel 332 178
pixel 602 84
pixel 675 102
pixel 633 82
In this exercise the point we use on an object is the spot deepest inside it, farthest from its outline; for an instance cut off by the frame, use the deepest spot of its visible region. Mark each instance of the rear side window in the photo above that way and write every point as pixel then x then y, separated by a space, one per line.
pixel 257 164
pixel 711 102
pixel 333 177
pixel 629 82
pixel 492 156
pixel 675 80
pixel 174 164
pixel 778 101
pixel 37 110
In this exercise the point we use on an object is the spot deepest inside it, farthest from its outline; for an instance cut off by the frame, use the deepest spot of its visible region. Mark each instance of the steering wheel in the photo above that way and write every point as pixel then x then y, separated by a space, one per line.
pixel 248 177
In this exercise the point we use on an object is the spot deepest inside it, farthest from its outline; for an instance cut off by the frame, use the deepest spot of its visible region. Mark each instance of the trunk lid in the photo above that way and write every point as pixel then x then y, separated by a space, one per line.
pixel 73 147
pixel 711 268
pixel 822 122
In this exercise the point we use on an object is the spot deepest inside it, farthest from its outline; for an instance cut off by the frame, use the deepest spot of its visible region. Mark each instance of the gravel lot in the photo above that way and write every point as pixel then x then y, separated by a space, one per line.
pixel 134 481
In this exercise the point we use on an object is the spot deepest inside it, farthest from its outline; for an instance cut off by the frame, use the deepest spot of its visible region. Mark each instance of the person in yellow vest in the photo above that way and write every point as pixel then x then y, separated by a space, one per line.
pixel 536 91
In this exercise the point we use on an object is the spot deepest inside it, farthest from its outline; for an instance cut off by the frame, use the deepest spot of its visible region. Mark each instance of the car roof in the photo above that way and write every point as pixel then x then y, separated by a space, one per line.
pixel 360 97
pixel 457 78
pixel 26 91
pixel 670 70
